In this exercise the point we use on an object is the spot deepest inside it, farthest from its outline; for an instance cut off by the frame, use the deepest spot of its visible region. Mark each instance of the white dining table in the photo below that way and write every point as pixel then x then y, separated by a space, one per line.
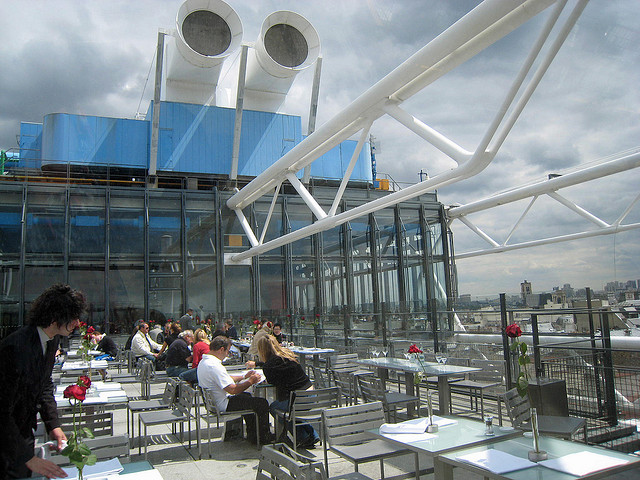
pixel 100 394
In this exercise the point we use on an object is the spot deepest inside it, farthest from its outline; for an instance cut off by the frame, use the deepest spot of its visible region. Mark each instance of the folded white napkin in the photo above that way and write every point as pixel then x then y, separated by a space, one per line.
pixel 411 426
pixel 99 470
pixel 496 461
pixel 582 463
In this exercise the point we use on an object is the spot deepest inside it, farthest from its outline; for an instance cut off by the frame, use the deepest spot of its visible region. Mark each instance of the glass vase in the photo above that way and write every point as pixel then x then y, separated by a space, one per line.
pixel 536 454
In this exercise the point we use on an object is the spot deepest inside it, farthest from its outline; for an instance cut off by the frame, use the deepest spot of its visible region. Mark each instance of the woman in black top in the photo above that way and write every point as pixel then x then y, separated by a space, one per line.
pixel 283 371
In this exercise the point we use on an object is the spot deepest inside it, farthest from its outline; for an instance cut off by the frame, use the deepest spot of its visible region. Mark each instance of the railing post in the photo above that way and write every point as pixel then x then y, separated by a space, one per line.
pixel 536 345
pixel 505 341
pixel 594 354
pixel 609 380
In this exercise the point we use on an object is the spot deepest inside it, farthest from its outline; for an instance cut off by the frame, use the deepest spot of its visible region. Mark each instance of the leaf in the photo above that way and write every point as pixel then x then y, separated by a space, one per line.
pixel 66 450
pixel 523 348
pixel 75 456
pixel 88 433
pixel 514 346
pixel 82 448
pixel 91 460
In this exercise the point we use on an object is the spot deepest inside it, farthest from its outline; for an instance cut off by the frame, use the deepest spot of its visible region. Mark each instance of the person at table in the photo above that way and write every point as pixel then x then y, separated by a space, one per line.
pixel 229 390
pixel 277 332
pixel 200 347
pixel 174 331
pixel 156 332
pixel 231 330
pixel 282 370
pixel 264 330
pixel 221 329
pixel 142 346
pixel 179 354
pixel 107 345
pixel 27 358
pixel 187 320
pixel 136 327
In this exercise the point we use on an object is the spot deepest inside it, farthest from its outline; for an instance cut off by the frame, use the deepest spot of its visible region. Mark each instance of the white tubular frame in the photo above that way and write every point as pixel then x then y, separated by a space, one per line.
pixel 484 25
pixel 550 188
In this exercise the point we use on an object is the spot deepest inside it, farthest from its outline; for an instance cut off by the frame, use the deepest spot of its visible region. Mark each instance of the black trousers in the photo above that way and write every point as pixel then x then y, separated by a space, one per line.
pixel 20 470
pixel 244 401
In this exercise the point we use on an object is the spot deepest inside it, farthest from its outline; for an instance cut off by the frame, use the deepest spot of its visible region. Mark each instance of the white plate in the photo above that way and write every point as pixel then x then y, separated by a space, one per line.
pixel 507 429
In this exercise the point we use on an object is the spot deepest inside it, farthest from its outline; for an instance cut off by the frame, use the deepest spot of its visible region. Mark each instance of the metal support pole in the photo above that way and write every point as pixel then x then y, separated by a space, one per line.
pixel 313 112
pixel 155 119
pixel 237 128
pixel 609 378
pixel 536 346
pixel 505 341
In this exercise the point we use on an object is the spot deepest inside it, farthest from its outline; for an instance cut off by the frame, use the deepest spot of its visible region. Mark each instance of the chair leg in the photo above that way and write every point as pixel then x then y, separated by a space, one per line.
pixel 417 465
pixel 146 441
pixel 140 439
pixel 381 469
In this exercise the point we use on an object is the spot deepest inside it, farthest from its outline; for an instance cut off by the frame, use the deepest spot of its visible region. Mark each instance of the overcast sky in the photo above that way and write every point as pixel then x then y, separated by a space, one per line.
pixel 94 58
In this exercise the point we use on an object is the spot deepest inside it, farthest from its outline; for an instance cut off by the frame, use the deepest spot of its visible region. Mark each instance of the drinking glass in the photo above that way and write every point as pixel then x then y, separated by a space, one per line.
pixel 375 352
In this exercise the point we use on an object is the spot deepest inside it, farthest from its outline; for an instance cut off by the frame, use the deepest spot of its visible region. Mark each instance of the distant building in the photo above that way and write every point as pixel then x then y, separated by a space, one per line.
pixel 525 289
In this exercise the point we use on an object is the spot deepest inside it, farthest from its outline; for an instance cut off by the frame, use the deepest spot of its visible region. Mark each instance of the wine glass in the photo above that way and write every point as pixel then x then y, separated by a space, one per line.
pixel 375 352
pixel 384 351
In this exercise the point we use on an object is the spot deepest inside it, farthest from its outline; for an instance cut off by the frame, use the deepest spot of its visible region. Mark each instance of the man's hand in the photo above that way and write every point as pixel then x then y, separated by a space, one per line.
pixel 249 373
pixel 59 437
pixel 255 378
pixel 45 467
pixel 250 364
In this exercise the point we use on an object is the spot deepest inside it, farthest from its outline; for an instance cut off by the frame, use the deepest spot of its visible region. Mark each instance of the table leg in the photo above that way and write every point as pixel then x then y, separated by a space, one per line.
pixel 444 396
pixel 441 470
pixel 410 389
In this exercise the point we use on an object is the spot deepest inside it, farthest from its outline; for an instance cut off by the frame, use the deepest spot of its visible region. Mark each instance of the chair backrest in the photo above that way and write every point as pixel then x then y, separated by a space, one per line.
pixel 371 388
pixel 349 425
pixel 345 362
pixel 102 448
pixel 343 381
pixel 319 377
pixel 209 401
pixel 186 398
pixel 492 370
pixel 518 408
pixel 460 362
pixel 279 462
pixel 309 401
pixel 170 391
pixel 100 424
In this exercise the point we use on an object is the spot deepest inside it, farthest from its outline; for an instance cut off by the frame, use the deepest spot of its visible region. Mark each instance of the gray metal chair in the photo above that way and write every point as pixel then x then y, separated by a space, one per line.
pixel 212 409
pixel 165 402
pixel 180 414
pixel 519 411
pixel 491 377
pixel 279 462
pixel 345 434
pixel 306 406
pixel 372 391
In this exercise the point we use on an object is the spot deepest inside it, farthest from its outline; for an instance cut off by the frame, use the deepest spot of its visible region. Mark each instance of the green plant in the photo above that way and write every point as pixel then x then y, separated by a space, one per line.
pixel 520 348
pixel 79 454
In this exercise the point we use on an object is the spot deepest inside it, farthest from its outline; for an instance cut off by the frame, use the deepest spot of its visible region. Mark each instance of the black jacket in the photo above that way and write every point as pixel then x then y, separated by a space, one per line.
pixel 286 375
pixel 25 376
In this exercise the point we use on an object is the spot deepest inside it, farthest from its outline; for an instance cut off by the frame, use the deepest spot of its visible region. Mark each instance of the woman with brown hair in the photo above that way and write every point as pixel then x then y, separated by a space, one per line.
pixel 282 370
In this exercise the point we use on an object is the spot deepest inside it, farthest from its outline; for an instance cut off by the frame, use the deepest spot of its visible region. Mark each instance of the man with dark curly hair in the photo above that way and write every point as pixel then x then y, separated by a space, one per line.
pixel 27 357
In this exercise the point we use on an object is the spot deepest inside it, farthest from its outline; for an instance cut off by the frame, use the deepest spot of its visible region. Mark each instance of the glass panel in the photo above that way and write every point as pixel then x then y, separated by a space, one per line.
pixel 164 225
pixel 90 279
pixel 440 285
pixel 360 237
pixel 237 286
pixel 299 216
pixel 45 223
pixel 126 296
pixel 334 286
pixel 304 294
pixel 275 228
pixel 234 237
pixel 10 222
pixel 272 296
pixel 416 286
pixel 86 219
pixel 436 238
pixel 10 281
pixel 126 225
pixel 389 285
pixel 412 231
pixel 37 278
pixel 362 286
pixel 386 236
pixel 202 285
pixel 201 226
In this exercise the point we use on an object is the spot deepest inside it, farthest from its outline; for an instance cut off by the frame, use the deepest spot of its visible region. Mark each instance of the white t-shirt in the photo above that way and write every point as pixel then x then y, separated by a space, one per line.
pixel 213 376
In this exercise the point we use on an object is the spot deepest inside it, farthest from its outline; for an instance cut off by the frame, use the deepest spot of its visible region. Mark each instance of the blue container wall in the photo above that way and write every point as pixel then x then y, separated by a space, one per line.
pixel 30 144
pixel 79 139
pixel 334 163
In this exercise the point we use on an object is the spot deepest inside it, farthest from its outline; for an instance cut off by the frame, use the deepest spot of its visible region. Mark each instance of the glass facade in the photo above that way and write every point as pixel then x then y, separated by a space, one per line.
pixel 152 253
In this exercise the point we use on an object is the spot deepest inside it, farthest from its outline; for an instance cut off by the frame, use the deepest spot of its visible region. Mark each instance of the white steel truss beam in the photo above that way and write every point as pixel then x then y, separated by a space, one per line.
pixel 484 25
pixel 549 187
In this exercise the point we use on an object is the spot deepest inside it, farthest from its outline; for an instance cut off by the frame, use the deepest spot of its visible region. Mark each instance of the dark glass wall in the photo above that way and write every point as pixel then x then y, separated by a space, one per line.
pixel 153 253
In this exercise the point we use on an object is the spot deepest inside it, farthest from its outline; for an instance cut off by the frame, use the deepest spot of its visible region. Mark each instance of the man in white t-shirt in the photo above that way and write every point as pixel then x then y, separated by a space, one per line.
pixel 229 390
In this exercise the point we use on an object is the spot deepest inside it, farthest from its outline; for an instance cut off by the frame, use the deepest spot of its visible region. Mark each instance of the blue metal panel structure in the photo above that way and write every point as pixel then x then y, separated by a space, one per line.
pixel 334 163
pixel 80 139
pixel 30 144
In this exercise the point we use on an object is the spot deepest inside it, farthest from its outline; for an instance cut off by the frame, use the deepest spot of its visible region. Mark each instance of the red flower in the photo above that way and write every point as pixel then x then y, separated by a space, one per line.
pixel 83 324
pixel 289 316
pixel 317 315
pixel 91 330
pixel 84 381
pixel 75 391
pixel 414 349
pixel 513 331
pixel 269 325
pixel 301 318
pixel 256 322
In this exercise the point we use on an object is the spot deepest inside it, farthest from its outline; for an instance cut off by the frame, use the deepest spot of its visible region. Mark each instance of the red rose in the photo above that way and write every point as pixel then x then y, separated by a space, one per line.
pixel 288 316
pixel 269 325
pixel 84 381
pixel 83 324
pixel 91 330
pixel 301 318
pixel 317 315
pixel 256 322
pixel 414 349
pixel 75 391
pixel 513 331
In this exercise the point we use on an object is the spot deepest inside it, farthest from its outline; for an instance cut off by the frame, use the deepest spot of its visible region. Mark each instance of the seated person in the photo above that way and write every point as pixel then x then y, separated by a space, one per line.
pixel 229 390
pixel 283 371
pixel 231 330
pixel 174 330
pixel 136 327
pixel 179 355
pixel 200 347
pixel 107 345
pixel 143 346
pixel 277 332
pixel 221 329
pixel 264 329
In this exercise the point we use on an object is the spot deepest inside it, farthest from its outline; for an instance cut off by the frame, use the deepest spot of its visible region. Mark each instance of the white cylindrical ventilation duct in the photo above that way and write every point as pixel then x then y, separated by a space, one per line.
pixel 287 44
pixel 207 32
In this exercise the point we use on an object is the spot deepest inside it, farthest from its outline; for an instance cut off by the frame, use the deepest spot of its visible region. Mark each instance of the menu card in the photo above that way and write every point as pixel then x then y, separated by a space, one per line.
pixel 496 461
pixel 99 470
pixel 583 463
